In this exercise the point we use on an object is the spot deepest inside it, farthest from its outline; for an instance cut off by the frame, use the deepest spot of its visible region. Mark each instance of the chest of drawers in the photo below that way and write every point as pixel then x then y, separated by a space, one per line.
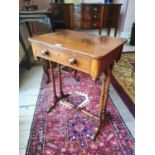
pixel 91 16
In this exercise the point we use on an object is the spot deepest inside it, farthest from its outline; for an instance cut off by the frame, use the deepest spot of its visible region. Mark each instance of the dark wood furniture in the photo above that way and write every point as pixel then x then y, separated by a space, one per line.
pixel 91 16
pixel 132 39
pixel 92 54
pixel 62 15
pixel 111 14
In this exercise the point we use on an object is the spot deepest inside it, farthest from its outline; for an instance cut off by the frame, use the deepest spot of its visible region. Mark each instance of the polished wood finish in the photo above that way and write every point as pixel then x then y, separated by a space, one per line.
pixel 53 82
pixel 55 98
pixel 61 15
pixel 92 54
pixel 104 97
pixel 60 81
pixel 45 64
pixel 93 16
pixel 111 15
pixel 90 51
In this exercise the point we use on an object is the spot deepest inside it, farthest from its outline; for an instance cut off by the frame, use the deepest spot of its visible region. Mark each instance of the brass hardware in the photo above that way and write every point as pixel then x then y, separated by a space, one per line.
pixel 44 52
pixel 72 61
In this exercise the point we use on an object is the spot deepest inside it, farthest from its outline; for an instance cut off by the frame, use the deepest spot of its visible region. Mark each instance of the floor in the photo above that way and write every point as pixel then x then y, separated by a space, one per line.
pixel 28 93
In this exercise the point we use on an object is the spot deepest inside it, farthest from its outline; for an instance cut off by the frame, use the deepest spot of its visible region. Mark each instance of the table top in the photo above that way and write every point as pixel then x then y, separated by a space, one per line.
pixel 82 43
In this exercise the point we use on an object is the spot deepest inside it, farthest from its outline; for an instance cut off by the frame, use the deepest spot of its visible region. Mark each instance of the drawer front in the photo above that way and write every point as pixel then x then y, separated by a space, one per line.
pixel 90 24
pixel 91 8
pixel 80 62
pixel 95 24
pixel 88 16
pixel 86 24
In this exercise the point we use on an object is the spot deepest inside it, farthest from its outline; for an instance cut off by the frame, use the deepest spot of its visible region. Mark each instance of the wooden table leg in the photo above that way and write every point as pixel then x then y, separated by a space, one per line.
pixel 107 86
pixel 103 99
pixel 55 98
pixel 60 81
pixel 108 31
pixel 45 64
pixel 115 33
pixel 62 95
pixel 100 31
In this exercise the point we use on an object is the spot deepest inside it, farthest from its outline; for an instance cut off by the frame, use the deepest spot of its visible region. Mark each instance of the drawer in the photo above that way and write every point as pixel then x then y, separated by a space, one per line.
pixel 75 61
pixel 90 24
pixel 86 24
pixel 88 16
pixel 95 24
pixel 91 8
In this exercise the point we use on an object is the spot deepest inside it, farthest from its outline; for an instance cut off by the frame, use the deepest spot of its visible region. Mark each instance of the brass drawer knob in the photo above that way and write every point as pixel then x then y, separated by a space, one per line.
pixel 44 52
pixel 72 61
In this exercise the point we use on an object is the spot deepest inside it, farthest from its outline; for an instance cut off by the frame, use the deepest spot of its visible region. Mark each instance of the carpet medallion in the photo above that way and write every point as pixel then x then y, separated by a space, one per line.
pixel 66 131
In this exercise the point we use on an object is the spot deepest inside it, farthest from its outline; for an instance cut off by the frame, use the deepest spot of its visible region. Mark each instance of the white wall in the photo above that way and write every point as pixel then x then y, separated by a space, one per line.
pixel 130 16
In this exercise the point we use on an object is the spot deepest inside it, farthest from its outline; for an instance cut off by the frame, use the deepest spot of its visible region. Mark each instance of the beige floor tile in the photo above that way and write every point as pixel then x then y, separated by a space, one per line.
pixel 23 138
pixel 22 151
pixel 25 100
pixel 25 123
pixel 26 111
pixel 30 81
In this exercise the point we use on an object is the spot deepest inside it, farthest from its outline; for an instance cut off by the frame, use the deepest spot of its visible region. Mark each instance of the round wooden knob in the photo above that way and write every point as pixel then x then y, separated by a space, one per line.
pixel 44 52
pixel 72 61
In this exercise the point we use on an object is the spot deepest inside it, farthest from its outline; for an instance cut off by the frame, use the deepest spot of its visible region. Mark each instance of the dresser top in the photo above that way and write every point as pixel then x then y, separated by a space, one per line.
pixel 94 46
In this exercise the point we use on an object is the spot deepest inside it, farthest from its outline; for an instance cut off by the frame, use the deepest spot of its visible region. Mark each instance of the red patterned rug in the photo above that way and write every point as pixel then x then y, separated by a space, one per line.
pixel 65 131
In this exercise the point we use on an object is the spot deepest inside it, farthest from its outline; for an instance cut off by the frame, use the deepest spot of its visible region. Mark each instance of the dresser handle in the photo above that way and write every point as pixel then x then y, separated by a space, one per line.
pixel 72 61
pixel 94 24
pixel 95 9
pixel 95 16
pixel 44 52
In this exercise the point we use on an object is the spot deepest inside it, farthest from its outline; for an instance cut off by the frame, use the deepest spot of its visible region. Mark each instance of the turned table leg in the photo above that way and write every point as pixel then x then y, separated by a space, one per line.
pixel 62 95
pixel 45 64
pixel 108 31
pixel 104 99
pixel 77 78
pixel 55 98
pixel 60 81
pixel 115 33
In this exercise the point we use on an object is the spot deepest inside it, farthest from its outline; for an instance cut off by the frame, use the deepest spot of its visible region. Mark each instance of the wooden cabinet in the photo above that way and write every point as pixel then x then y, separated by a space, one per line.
pixel 62 15
pixel 111 14
pixel 92 16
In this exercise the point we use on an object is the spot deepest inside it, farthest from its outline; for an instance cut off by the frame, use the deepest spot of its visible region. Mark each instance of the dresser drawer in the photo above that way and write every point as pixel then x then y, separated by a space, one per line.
pixel 75 61
pixel 92 16
pixel 90 24
pixel 91 8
